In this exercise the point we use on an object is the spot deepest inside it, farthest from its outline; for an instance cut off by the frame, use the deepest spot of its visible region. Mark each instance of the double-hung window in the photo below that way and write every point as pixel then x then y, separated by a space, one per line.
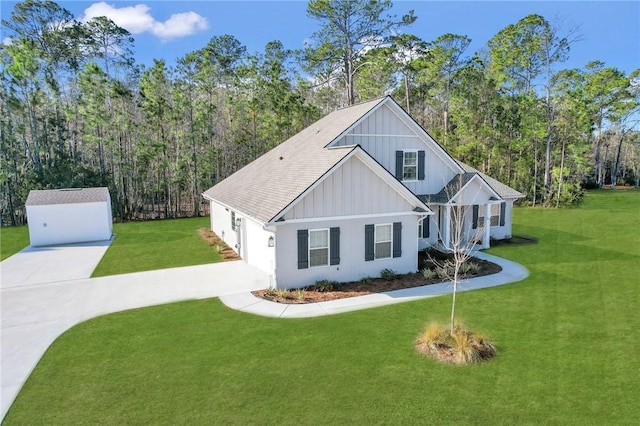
pixel 318 247
pixel 495 215
pixel 410 165
pixel 384 241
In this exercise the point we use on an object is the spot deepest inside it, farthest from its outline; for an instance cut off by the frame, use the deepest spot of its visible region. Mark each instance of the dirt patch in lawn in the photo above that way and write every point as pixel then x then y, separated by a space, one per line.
pixel 220 246
pixel 325 290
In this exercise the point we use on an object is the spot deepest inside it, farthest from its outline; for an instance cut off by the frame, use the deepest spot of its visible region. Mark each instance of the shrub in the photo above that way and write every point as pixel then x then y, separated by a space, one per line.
pixel 323 286
pixel 469 268
pixel 283 293
pixel 461 347
pixel 366 280
pixel 445 270
pixel 300 294
pixel 428 273
pixel 388 274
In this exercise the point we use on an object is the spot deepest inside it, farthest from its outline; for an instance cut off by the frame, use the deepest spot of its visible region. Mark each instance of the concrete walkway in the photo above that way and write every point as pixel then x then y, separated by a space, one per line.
pixel 34 313
pixel 246 302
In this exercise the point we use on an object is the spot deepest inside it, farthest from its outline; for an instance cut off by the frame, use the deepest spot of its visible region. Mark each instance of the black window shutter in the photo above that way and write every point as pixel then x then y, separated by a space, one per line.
pixel 397 239
pixel 334 246
pixel 503 212
pixel 303 249
pixel 425 227
pixel 476 209
pixel 369 242
pixel 420 165
pixel 399 165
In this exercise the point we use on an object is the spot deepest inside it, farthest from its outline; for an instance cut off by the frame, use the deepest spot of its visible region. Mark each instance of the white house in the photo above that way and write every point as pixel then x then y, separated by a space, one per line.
pixel 361 190
pixel 63 216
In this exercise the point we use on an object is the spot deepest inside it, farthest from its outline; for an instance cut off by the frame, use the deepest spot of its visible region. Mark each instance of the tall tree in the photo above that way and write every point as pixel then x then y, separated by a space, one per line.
pixel 348 29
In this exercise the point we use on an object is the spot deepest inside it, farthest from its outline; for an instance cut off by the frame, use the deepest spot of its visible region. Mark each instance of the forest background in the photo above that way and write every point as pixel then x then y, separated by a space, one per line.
pixel 76 110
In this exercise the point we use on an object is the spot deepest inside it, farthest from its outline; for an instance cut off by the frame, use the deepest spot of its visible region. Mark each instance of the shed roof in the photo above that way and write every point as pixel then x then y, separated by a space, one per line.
pixel 265 187
pixel 67 196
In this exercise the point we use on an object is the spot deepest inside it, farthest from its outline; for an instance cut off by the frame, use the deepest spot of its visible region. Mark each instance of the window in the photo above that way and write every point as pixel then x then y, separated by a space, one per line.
pixel 410 165
pixel 423 228
pixel 495 214
pixel 384 241
pixel 233 221
pixel 318 247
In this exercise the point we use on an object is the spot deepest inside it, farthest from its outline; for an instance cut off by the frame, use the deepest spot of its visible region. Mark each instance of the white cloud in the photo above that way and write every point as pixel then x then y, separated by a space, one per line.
pixel 180 25
pixel 7 41
pixel 137 19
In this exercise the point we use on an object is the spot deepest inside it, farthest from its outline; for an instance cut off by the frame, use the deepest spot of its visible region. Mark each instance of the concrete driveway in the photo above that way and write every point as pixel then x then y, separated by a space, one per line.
pixel 40 303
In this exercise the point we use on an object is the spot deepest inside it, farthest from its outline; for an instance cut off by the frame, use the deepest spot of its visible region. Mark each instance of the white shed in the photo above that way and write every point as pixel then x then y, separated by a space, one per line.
pixel 63 216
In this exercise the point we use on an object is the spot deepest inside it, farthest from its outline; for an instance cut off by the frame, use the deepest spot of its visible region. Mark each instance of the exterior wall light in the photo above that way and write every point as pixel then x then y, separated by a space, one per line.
pixel 238 222
pixel 271 242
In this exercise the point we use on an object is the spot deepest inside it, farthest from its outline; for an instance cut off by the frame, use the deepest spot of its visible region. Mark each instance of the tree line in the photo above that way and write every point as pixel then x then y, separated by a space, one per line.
pixel 77 111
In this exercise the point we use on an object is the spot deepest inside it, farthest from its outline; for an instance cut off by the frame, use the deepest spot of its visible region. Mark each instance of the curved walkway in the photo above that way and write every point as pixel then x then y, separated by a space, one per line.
pixel 247 302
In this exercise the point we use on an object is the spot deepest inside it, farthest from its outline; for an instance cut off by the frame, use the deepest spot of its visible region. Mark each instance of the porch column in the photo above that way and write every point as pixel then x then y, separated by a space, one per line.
pixel 486 241
pixel 446 231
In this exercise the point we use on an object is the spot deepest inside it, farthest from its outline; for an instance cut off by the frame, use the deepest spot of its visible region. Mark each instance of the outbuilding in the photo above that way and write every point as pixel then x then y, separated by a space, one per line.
pixel 65 216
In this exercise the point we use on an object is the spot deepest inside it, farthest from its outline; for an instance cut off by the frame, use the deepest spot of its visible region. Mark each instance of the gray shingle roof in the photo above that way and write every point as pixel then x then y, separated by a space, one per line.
pixel 67 196
pixel 501 189
pixel 449 190
pixel 264 187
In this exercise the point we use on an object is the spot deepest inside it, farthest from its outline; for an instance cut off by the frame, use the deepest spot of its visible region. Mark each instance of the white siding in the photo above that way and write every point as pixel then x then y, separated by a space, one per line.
pixel 502 232
pixel 352 189
pixel 250 240
pixel 474 193
pixel 383 133
pixel 69 223
pixel 352 264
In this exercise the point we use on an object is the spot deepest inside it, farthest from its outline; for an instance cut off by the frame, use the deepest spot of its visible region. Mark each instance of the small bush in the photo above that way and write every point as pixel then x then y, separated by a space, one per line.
pixel 388 274
pixel 323 286
pixel 283 293
pixel 366 280
pixel 300 294
pixel 461 347
pixel 271 292
pixel 428 273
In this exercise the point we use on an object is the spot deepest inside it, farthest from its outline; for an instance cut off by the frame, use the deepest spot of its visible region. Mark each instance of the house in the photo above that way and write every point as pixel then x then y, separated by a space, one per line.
pixel 361 190
pixel 63 216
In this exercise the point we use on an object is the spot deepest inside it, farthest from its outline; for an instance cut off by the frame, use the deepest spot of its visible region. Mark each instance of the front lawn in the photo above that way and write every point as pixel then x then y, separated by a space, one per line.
pixel 149 245
pixel 567 342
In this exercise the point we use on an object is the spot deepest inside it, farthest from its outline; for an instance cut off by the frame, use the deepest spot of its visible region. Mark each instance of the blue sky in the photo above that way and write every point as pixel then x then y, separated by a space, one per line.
pixel 170 29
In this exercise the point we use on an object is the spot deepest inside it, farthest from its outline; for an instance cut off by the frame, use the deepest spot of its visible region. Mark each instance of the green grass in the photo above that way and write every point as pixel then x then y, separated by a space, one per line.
pixel 567 337
pixel 12 240
pixel 149 245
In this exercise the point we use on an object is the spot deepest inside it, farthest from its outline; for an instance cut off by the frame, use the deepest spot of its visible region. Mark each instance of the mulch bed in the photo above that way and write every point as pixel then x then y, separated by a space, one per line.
pixel 220 246
pixel 359 288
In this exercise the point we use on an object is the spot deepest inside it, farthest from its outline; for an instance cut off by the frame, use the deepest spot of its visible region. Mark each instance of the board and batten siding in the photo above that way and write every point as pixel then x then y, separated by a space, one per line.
pixel 352 266
pixel 352 189
pixel 383 133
